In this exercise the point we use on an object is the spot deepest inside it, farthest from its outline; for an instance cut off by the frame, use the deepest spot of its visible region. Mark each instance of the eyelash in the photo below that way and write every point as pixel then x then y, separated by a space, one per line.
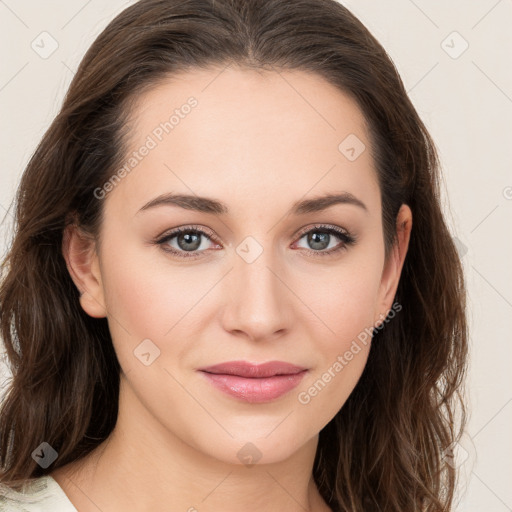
pixel 346 238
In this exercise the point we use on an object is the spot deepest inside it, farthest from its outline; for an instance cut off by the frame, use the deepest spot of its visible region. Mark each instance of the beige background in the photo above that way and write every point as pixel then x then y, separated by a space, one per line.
pixel 464 97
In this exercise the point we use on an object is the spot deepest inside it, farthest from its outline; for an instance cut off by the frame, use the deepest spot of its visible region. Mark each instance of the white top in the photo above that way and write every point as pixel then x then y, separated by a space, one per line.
pixel 42 494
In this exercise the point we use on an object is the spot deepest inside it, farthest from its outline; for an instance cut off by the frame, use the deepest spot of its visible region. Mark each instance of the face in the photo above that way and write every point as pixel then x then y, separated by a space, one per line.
pixel 260 273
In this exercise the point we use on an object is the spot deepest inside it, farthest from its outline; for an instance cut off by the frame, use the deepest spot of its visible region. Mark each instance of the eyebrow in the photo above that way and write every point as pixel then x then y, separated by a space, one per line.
pixel 215 207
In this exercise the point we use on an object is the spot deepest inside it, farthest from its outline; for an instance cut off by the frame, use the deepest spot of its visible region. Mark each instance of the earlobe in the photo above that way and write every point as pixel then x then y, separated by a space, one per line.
pixel 81 259
pixel 394 265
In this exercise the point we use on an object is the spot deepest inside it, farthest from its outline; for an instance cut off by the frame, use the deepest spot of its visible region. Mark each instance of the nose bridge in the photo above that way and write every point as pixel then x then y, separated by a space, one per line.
pixel 258 300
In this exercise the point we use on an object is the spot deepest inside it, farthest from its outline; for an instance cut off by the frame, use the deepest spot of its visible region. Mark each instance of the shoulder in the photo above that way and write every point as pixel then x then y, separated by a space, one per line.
pixel 41 494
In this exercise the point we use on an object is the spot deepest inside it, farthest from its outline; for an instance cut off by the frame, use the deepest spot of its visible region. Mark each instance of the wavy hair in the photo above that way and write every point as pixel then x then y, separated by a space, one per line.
pixel 385 449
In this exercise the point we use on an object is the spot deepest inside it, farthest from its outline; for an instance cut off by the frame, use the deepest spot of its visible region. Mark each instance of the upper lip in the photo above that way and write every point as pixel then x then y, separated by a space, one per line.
pixel 247 369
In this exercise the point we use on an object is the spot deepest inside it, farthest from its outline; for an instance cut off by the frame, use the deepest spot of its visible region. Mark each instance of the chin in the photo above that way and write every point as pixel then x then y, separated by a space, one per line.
pixel 269 446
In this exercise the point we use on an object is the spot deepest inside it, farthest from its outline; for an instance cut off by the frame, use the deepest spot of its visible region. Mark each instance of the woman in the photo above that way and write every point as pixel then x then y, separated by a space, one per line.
pixel 231 284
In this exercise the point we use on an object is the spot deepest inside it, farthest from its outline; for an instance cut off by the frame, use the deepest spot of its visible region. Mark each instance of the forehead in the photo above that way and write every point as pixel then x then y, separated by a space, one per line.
pixel 221 132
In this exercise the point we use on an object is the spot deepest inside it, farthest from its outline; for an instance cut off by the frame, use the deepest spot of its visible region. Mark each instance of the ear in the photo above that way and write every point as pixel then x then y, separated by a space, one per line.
pixel 79 251
pixel 393 267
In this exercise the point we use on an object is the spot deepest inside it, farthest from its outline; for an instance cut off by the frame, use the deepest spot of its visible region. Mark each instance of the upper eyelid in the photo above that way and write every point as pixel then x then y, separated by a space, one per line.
pixel 176 231
pixel 319 227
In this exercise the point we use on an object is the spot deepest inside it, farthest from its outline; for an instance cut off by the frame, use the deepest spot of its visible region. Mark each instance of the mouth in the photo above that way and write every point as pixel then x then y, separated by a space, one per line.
pixel 254 383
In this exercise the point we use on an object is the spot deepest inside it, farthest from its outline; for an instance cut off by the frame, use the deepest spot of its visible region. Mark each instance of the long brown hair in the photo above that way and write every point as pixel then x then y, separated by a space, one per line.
pixel 384 450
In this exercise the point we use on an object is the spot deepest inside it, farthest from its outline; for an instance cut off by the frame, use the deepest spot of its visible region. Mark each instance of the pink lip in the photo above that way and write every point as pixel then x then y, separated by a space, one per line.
pixel 254 383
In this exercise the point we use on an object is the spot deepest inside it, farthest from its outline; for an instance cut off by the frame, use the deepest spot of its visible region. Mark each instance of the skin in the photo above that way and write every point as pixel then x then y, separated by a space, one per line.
pixel 257 141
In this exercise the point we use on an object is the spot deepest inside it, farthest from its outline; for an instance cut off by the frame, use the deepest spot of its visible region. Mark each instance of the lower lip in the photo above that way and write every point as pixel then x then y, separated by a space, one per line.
pixel 255 390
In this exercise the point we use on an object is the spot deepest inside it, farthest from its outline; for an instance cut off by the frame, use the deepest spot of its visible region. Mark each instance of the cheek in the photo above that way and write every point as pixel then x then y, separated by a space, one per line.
pixel 344 301
pixel 147 294
pixel 144 302
pixel 346 304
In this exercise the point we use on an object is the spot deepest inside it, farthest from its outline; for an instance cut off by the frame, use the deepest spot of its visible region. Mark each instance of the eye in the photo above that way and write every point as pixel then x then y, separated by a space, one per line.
pixel 320 238
pixel 188 243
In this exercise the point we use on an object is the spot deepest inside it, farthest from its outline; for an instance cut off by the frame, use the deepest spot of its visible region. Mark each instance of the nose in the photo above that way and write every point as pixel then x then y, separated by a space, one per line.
pixel 259 303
